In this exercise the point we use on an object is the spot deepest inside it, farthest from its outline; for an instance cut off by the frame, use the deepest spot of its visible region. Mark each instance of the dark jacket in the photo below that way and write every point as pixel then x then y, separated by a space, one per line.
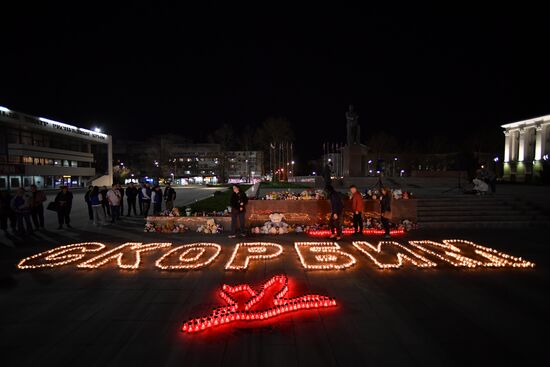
pixel 327 173
pixel 385 203
pixel 169 194
pixel 237 199
pixel 87 196
pixel 38 197
pixel 103 193
pixel 157 196
pixel 121 190
pixel 64 200
pixel 131 193
pixel 336 204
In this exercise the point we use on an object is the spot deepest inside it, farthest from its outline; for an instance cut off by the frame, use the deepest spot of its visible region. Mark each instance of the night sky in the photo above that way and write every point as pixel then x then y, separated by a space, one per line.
pixel 414 72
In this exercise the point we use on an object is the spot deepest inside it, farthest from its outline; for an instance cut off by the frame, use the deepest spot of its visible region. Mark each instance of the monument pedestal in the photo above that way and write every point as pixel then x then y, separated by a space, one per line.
pixel 355 160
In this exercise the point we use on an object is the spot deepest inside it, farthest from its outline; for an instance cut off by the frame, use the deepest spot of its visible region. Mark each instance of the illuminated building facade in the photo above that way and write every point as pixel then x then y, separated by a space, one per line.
pixel 526 149
pixel 49 154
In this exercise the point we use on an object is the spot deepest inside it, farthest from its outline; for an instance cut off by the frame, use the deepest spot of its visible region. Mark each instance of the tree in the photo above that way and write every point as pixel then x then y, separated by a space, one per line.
pixel 224 136
pixel 382 142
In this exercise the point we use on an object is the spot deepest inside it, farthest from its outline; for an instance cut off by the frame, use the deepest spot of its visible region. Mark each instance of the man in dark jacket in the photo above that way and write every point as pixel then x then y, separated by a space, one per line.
pixel 238 203
pixel 336 210
pixel 169 196
pixel 105 202
pixel 385 210
pixel 88 202
pixel 121 191
pixel 37 206
pixel 131 194
pixel 156 200
pixel 6 212
pixel 327 175
pixel 64 203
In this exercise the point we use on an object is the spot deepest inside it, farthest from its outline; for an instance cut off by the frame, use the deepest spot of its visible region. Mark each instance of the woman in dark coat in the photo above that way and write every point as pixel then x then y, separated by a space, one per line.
pixel 385 210
pixel 238 203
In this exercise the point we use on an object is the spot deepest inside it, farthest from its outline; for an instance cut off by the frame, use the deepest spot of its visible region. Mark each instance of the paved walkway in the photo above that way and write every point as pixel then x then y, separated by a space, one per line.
pixel 112 317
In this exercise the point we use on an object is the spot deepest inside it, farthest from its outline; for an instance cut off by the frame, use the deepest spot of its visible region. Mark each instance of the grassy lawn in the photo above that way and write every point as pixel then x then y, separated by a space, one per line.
pixel 284 185
pixel 218 202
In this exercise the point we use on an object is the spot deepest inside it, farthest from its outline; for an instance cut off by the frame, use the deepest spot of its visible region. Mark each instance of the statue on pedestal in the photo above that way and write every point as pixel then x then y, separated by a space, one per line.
pixel 353 128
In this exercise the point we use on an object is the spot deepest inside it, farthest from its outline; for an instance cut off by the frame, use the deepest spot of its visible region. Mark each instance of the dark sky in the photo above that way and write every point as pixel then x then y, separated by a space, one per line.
pixel 413 72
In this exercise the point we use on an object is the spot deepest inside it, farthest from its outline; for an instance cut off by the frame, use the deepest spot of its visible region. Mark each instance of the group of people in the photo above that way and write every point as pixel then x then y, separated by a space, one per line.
pixel 103 203
pixel 484 181
pixel 239 200
pixel 357 208
pixel 18 210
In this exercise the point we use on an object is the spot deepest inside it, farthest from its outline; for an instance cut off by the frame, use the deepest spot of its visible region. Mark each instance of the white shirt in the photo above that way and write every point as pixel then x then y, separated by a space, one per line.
pixel 144 193
pixel 114 197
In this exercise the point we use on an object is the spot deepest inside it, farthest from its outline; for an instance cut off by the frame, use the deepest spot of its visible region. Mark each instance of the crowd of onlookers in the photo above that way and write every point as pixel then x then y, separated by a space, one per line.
pixel 17 210
pixel 109 203
pixel 23 211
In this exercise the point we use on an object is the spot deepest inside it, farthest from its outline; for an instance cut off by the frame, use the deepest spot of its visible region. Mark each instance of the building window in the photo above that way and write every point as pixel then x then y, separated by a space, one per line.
pixel 13 137
pixel 27 160
pixel 14 159
pixel 57 162
pixel 14 182
pixel 26 138
pixel 74 164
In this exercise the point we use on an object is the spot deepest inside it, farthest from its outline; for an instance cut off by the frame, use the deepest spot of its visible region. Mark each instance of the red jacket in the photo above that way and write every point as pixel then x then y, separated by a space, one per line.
pixel 357 203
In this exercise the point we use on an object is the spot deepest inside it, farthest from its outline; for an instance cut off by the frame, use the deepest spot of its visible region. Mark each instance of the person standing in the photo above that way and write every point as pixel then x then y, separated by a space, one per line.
pixel 105 202
pixel 156 199
pixel 131 194
pixel 327 175
pixel 121 191
pixel 145 195
pixel 336 210
pixel 238 203
pixel 385 210
pixel 6 212
pixel 96 200
pixel 37 206
pixel 169 196
pixel 357 207
pixel 87 200
pixel 64 203
pixel 113 197
pixel 21 205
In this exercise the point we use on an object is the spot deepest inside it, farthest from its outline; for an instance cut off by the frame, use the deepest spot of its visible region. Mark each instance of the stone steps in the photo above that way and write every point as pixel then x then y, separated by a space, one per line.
pixel 462 211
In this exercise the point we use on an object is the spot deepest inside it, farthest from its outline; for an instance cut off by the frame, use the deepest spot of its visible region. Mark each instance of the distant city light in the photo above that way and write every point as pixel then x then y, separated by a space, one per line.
pixel 370 161
pixel 402 171
pixel 496 159
pixel 370 171
pixel 122 163
pixel 4 109
pixel 330 160
pixel 313 173
pixel 395 159
pixel 377 172
pixel 97 129
pixel 292 162
pixel 545 157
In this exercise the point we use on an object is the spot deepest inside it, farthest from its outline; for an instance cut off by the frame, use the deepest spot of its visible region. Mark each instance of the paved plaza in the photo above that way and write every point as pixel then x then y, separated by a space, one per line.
pixel 109 316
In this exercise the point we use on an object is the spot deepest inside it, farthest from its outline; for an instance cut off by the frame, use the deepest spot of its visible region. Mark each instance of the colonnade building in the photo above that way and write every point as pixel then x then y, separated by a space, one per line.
pixel 526 149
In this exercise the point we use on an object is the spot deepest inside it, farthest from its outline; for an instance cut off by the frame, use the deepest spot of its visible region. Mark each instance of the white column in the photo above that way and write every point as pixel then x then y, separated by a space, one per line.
pixel 507 146
pixel 540 142
pixel 521 151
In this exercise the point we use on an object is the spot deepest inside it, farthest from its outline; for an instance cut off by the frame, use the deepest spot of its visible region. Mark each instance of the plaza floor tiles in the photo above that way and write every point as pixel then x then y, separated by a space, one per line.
pixel 113 317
